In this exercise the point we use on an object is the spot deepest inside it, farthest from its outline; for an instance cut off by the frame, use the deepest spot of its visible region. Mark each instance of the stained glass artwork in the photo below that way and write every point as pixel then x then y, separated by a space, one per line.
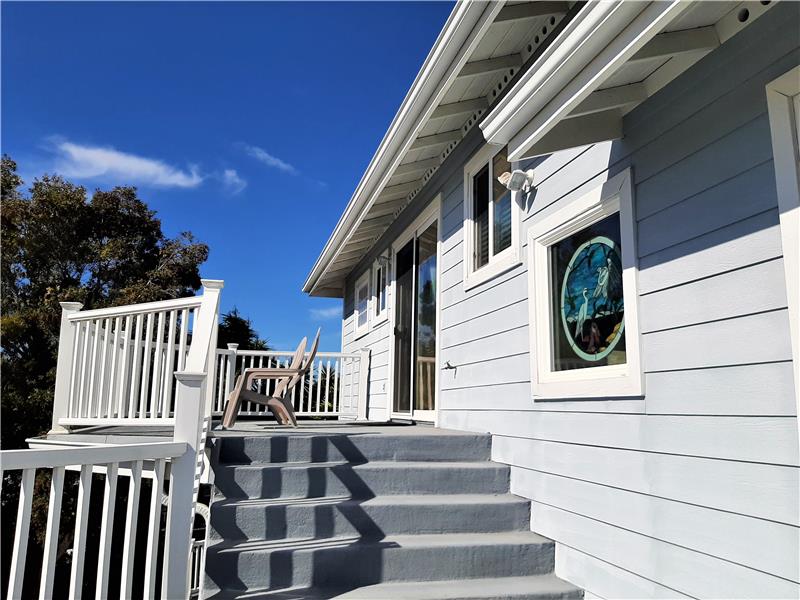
pixel 587 303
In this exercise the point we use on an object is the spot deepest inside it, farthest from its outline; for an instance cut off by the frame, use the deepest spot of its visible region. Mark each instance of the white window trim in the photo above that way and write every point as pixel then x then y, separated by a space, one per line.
pixel 508 258
pixel 379 317
pixel 783 104
pixel 611 381
pixel 364 329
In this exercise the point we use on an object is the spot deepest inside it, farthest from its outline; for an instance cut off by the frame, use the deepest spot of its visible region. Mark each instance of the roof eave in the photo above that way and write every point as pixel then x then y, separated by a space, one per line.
pixel 597 42
pixel 411 114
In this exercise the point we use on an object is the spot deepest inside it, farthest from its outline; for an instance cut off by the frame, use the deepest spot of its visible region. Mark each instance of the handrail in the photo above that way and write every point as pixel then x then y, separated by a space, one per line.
pixel 111 453
pixel 289 353
pixel 137 309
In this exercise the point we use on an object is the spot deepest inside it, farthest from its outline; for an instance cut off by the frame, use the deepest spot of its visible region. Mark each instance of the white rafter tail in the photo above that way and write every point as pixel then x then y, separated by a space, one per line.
pixel 675 43
pixel 453 109
pixel 621 97
pixel 530 10
pixel 396 192
pixel 491 65
pixel 579 131
pixel 437 139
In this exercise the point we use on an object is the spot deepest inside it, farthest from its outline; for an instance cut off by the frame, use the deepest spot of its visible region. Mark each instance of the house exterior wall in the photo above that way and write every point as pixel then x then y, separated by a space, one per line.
pixel 692 490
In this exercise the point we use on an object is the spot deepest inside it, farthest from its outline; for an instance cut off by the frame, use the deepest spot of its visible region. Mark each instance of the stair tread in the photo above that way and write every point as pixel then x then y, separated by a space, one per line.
pixel 383 464
pixel 417 540
pixel 380 500
pixel 530 586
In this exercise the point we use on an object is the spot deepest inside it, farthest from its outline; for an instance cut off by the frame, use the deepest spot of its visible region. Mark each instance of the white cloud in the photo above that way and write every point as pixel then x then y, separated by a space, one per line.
pixel 93 162
pixel 334 312
pixel 265 157
pixel 232 182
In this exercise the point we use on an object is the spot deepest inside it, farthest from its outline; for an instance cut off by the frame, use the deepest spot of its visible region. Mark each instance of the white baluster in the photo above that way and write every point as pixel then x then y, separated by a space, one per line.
pixel 106 531
pixel 123 378
pixel 79 539
pixel 153 530
pixel 22 529
pixel 112 385
pixel 155 388
pixel 136 369
pixel 169 366
pixel 51 534
pixel 131 522
pixel 146 366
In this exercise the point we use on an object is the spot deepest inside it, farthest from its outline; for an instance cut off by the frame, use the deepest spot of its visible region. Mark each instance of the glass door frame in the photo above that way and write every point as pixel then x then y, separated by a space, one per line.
pixel 429 216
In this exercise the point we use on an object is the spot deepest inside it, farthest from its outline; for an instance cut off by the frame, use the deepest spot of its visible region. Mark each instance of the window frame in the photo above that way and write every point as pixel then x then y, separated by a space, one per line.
pixel 379 316
pixel 363 279
pixel 615 196
pixel 506 259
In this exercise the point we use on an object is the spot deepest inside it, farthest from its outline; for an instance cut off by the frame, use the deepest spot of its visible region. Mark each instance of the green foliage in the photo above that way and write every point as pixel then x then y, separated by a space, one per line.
pixel 61 244
pixel 236 329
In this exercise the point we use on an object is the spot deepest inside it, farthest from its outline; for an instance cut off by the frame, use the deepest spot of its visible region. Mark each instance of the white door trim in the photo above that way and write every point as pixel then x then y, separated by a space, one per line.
pixel 431 214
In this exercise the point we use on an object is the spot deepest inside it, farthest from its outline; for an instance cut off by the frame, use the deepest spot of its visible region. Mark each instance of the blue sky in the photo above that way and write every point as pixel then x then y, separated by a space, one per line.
pixel 248 124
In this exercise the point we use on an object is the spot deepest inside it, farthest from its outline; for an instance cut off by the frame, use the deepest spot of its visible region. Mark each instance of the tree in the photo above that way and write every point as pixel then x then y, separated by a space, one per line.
pixel 236 329
pixel 59 243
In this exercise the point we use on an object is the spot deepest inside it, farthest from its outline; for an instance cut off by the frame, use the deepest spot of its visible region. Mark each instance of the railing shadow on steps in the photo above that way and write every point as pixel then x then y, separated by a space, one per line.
pixel 281 562
pixel 114 368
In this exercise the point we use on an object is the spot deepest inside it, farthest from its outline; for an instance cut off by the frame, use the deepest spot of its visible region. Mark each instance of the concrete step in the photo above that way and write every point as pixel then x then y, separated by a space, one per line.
pixel 351 562
pixel 371 519
pixel 319 447
pixel 360 481
pixel 535 587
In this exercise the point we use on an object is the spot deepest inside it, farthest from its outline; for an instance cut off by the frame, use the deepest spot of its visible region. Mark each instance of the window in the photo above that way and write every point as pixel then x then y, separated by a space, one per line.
pixel 490 218
pixel 361 312
pixel 583 299
pixel 379 286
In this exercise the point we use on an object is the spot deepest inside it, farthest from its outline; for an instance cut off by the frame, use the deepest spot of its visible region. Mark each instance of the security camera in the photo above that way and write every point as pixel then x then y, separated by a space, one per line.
pixel 517 180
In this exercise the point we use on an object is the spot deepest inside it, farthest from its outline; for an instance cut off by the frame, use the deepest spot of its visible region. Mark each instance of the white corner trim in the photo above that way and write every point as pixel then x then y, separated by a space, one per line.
pixel 783 103
pixel 614 196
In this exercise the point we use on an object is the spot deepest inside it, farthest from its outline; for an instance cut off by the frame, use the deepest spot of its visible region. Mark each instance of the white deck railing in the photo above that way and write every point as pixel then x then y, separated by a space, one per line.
pixel 114 368
pixel 120 362
pixel 134 462
pixel 334 386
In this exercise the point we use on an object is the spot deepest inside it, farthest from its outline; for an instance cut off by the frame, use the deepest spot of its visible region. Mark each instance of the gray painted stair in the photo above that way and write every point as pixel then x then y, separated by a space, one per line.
pixel 420 514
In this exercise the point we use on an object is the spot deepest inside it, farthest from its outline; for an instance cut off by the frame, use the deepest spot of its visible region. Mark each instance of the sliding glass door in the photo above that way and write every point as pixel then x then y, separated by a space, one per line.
pixel 416 286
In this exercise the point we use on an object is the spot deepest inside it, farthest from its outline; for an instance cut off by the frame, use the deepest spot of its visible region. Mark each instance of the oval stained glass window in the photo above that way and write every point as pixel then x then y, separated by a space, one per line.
pixel 592 305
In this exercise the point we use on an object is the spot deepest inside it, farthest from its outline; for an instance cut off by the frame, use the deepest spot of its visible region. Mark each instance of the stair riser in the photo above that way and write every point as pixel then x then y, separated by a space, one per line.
pixel 278 449
pixel 345 519
pixel 361 564
pixel 362 482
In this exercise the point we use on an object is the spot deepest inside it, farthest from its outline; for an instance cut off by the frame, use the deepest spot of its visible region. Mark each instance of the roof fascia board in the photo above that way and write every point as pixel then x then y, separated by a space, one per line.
pixel 599 40
pixel 463 30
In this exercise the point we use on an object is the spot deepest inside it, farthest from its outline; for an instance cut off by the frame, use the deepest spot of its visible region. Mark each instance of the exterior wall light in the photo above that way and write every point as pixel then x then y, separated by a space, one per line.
pixel 517 180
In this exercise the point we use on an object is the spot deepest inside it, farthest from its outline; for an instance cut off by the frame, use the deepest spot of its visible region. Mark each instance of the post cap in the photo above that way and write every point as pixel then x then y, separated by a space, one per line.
pixel 232 346
pixel 213 284
pixel 71 306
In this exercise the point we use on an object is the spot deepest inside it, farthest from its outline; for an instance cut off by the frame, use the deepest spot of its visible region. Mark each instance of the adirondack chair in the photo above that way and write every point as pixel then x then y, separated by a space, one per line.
pixel 279 402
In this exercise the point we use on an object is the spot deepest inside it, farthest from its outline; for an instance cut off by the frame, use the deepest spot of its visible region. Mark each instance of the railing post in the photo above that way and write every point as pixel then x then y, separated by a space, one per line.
pixel 231 375
pixel 66 354
pixel 189 406
pixel 363 383
pixel 210 310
